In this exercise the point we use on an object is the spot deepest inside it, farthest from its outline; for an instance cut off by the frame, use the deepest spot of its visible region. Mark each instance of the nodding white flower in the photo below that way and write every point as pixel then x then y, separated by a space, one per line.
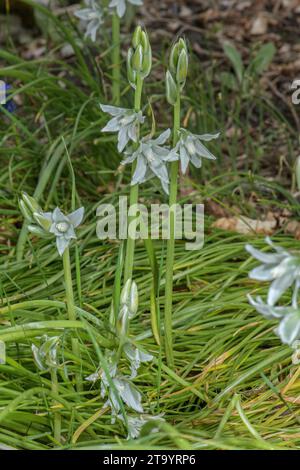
pixel 150 159
pixel 125 121
pixel 93 16
pixel 136 423
pixel 289 325
pixel 46 355
pixel 62 226
pixel 190 148
pixel 120 5
pixel 281 267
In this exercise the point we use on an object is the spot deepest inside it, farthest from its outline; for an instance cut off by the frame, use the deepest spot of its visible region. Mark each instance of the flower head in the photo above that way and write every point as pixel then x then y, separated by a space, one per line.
pixel 189 148
pixel 151 157
pixel 281 267
pixel 289 325
pixel 46 355
pixel 125 122
pixel 120 5
pixel 47 224
pixel 93 16
pixel 63 227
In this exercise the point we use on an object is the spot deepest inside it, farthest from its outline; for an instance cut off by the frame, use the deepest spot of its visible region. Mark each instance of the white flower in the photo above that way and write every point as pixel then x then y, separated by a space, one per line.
pixel 136 423
pixel 189 148
pixel 125 121
pixel 62 226
pixel 150 159
pixel 120 5
pixel 289 325
pixel 93 16
pixel 280 267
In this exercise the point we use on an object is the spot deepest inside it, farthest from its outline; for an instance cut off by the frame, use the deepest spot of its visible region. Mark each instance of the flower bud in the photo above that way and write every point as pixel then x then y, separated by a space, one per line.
pixel 178 63
pixel 182 68
pixel 129 297
pixel 42 220
pixel 30 203
pixel 139 57
pixel 136 37
pixel 26 213
pixel 171 89
pixel 131 75
pixel 36 230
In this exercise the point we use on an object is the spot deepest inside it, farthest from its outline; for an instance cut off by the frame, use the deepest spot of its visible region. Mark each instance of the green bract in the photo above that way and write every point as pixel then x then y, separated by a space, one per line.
pixel 139 57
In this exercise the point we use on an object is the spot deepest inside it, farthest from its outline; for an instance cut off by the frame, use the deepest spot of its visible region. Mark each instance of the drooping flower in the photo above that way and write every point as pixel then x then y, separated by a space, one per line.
pixel 150 159
pixel 45 356
pixel 120 5
pixel 190 149
pixel 281 267
pixel 63 227
pixel 93 16
pixel 289 325
pixel 125 122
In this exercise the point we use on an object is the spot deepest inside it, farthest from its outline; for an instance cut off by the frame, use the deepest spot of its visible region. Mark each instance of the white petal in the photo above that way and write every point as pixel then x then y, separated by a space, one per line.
pixel 76 217
pixel 279 286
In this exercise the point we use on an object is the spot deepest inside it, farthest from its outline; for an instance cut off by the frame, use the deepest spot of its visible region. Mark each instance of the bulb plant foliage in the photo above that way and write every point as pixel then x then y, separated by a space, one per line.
pixel 282 269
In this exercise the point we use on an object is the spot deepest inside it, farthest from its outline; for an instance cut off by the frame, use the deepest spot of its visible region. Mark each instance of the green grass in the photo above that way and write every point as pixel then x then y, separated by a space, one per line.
pixel 233 385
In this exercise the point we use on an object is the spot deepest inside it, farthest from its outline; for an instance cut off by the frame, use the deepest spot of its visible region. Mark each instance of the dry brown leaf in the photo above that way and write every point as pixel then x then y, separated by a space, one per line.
pixel 246 225
pixel 259 25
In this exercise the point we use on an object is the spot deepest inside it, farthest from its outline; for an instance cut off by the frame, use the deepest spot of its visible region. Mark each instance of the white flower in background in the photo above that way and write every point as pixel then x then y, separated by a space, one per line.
pixel 136 356
pixel 296 354
pixel 125 121
pixel 93 16
pixel 62 226
pixel 281 267
pixel 150 159
pixel 136 423
pixel 120 5
pixel 289 325
pixel 190 149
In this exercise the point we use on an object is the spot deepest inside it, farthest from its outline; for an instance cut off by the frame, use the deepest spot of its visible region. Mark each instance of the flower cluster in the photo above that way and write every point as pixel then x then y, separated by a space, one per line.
pixel 93 14
pixel 152 155
pixel 283 270
pixel 47 224
pixel 116 387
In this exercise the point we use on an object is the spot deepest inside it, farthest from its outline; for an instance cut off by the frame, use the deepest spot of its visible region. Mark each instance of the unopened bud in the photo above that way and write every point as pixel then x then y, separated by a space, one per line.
pixel 171 89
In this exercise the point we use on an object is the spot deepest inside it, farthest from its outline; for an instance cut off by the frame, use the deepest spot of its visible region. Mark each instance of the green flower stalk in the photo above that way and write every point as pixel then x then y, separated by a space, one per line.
pixel 139 62
pixel 175 81
pixel 62 227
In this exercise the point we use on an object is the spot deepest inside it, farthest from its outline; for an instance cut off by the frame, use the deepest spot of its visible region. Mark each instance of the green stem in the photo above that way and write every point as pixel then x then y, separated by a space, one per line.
pixel 171 243
pixel 57 417
pixel 134 194
pixel 71 309
pixel 116 71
